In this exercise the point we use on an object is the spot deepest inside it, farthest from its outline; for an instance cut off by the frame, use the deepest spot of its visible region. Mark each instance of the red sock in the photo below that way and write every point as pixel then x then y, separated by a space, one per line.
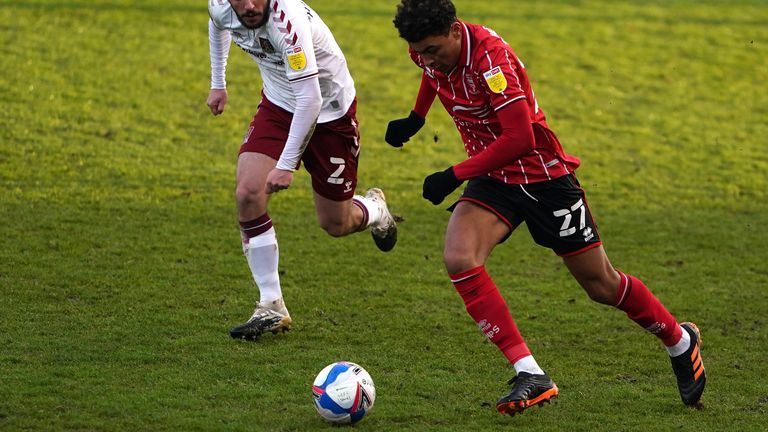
pixel 486 306
pixel 645 309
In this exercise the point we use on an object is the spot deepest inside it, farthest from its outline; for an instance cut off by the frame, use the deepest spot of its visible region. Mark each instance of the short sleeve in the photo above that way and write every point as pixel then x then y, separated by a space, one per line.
pixel 499 76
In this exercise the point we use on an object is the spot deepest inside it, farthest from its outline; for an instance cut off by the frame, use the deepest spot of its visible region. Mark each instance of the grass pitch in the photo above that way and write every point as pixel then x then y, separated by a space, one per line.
pixel 120 265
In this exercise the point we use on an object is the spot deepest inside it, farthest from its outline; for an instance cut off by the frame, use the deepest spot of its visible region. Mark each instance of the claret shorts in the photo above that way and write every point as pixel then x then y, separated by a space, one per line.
pixel 331 155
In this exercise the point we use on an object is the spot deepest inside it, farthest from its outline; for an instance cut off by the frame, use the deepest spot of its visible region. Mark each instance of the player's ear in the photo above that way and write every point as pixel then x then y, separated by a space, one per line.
pixel 455 29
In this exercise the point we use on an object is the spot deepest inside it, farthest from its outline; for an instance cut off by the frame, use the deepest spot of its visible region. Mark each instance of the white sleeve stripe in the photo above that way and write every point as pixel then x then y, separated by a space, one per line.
pixel 509 102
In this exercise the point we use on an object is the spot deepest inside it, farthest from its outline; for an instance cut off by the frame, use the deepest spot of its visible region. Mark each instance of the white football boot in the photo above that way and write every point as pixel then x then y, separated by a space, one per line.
pixel 385 231
pixel 267 317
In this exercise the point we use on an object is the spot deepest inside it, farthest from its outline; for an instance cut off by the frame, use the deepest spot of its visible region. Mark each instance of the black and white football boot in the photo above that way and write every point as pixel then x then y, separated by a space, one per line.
pixel 268 317
pixel 384 232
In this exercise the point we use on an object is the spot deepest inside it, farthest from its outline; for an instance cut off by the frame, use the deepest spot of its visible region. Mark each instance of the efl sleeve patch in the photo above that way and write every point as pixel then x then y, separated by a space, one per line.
pixel 296 58
pixel 496 80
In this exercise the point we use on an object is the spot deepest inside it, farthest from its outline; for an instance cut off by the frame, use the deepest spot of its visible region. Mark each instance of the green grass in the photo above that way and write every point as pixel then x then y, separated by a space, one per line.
pixel 121 271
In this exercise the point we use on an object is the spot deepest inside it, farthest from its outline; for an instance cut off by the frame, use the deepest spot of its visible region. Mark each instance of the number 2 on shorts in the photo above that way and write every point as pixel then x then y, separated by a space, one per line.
pixel 567 229
pixel 334 178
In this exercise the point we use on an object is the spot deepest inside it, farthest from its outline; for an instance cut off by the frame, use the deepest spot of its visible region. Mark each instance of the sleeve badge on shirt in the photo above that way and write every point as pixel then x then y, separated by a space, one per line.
pixel 496 80
pixel 297 60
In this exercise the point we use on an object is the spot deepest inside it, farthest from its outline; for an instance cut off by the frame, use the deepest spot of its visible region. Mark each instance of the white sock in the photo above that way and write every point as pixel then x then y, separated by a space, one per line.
pixel 528 364
pixel 263 255
pixel 681 346
pixel 372 207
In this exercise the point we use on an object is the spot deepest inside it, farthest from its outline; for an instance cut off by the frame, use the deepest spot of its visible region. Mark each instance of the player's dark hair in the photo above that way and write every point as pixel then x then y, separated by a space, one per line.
pixel 418 19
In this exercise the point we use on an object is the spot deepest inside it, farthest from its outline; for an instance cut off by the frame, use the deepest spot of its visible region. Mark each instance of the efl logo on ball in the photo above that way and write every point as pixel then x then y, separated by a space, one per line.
pixel 343 392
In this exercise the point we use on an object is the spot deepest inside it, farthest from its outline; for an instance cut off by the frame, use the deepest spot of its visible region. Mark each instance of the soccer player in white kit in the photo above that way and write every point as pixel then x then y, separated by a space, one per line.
pixel 306 114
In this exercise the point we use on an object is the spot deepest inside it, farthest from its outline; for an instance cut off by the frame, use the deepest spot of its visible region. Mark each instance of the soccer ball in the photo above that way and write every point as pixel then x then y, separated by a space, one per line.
pixel 343 392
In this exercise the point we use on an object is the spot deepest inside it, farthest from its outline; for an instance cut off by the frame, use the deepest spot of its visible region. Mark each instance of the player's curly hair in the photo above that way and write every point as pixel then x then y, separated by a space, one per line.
pixel 418 19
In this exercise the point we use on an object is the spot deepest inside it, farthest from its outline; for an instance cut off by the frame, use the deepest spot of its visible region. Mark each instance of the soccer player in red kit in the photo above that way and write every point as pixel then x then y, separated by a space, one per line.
pixel 517 172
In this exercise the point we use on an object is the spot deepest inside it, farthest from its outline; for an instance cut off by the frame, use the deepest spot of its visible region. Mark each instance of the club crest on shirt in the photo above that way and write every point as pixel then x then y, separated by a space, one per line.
pixel 297 60
pixel 496 80
pixel 469 82
pixel 266 46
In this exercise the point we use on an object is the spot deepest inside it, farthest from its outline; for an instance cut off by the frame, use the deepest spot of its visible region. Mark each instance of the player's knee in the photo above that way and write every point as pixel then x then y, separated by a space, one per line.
pixel 457 261
pixel 247 196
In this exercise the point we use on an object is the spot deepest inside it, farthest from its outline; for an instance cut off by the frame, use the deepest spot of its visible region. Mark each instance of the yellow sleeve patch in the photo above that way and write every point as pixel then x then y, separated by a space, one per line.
pixel 296 58
pixel 496 80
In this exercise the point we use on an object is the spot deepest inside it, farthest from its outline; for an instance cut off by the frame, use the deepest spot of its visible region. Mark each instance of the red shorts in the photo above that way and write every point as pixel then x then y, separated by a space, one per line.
pixel 331 154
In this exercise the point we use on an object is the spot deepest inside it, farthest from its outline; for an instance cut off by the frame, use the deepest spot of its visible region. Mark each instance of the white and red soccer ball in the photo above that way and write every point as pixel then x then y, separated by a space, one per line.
pixel 343 392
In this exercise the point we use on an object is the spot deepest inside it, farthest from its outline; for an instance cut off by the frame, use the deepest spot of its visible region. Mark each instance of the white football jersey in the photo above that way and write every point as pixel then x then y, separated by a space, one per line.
pixel 292 45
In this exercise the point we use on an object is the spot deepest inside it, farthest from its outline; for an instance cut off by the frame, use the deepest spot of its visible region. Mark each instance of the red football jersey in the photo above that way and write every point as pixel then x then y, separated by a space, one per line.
pixel 488 77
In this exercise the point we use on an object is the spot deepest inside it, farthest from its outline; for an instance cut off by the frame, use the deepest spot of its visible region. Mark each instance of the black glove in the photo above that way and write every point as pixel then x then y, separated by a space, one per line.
pixel 401 130
pixel 439 185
